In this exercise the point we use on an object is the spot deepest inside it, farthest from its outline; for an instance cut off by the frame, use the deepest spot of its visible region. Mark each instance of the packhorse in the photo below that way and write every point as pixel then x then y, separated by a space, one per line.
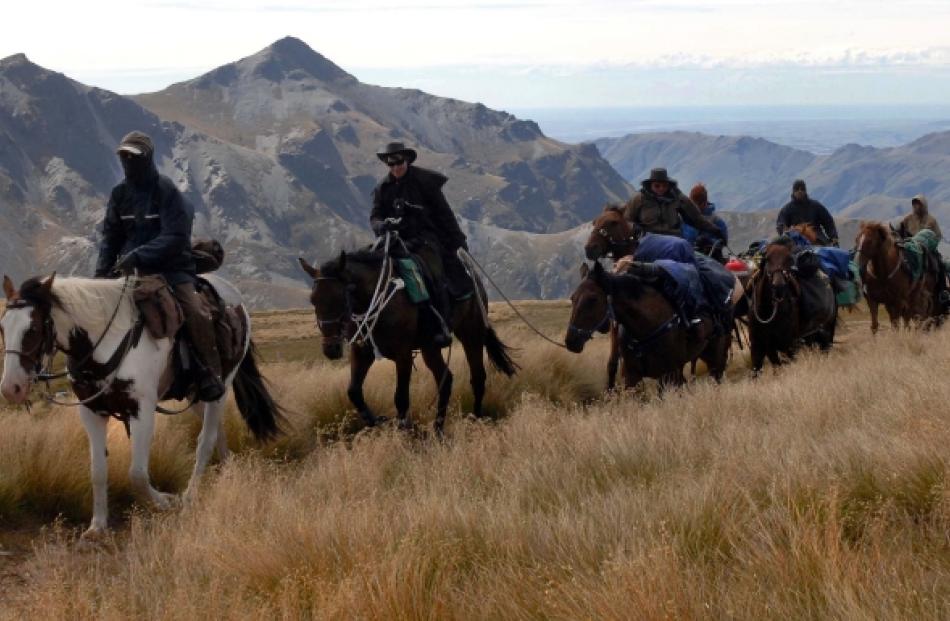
pixel 358 298
pixel 118 369
pixel 777 323
pixel 653 341
pixel 613 237
pixel 881 265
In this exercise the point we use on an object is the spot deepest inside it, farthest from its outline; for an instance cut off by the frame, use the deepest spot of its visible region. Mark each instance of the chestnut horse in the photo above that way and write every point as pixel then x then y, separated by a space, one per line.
pixel 654 342
pixel 880 261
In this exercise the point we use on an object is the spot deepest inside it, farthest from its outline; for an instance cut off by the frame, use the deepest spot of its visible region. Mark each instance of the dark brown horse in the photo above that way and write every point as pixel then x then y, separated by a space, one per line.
pixel 880 261
pixel 343 290
pixel 773 294
pixel 653 340
pixel 612 237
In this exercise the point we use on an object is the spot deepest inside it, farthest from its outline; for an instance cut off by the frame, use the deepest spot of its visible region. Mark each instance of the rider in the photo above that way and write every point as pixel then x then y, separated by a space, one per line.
pixel 147 227
pixel 804 210
pixel 916 221
pixel 410 200
pixel 660 207
pixel 704 242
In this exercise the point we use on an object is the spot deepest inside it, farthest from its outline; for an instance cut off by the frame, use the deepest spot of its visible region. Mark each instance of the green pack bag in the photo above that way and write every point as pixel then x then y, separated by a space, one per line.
pixel 412 276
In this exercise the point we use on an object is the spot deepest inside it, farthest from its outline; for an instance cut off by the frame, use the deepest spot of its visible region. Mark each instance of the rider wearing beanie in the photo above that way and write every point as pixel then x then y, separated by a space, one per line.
pixel 804 210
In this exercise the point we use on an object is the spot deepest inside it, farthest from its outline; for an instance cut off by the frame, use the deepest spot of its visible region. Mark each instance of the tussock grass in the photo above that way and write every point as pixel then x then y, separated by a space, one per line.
pixel 821 491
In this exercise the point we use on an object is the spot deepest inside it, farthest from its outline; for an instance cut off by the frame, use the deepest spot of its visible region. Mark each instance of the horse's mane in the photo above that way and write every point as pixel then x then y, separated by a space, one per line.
pixel 808 231
pixel 331 268
pixel 90 302
pixel 870 226
pixel 629 285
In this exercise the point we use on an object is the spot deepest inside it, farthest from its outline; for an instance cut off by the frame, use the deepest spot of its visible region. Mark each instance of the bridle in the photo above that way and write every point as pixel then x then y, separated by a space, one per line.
pixel 613 245
pixel 344 319
pixel 46 346
pixel 588 333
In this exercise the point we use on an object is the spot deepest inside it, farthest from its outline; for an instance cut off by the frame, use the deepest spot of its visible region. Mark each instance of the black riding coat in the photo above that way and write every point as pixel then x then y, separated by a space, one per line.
pixel 807 211
pixel 428 215
pixel 152 221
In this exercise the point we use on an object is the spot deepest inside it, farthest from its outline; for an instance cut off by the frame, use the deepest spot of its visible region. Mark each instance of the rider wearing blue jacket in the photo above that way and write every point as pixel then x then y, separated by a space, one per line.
pixel 701 240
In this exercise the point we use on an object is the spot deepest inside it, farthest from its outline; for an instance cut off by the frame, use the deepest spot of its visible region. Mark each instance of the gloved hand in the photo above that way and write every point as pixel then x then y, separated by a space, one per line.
pixel 380 227
pixel 125 264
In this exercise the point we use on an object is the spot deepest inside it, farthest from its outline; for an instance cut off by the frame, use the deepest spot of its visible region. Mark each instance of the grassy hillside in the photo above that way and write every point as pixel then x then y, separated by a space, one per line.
pixel 820 491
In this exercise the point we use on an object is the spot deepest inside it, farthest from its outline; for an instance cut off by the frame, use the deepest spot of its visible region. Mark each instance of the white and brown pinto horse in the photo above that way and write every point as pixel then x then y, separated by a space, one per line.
pixel 118 370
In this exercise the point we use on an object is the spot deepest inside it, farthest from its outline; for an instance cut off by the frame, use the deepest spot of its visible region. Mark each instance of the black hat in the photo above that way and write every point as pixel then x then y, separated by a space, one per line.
pixel 396 148
pixel 799 185
pixel 659 174
pixel 136 143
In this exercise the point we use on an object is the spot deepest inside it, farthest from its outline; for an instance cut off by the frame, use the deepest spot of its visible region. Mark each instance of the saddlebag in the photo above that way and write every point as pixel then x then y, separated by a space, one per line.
pixel 208 255
pixel 160 310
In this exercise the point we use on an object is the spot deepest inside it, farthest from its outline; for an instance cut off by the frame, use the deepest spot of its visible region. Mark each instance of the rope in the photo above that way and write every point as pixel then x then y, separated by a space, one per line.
pixel 468 257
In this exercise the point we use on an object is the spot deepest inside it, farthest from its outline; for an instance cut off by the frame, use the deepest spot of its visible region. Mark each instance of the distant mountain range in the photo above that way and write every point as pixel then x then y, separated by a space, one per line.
pixel 277 154
pixel 751 174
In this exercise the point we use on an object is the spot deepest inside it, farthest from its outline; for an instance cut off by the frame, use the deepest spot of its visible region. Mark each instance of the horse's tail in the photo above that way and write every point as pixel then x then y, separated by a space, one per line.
pixel 258 409
pixel 499 354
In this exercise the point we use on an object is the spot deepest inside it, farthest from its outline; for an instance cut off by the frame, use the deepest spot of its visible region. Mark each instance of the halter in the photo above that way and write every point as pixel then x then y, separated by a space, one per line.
pixel 46 345
pixel 345 317
pixel 613 244
pixel 588 333
pixel 775 300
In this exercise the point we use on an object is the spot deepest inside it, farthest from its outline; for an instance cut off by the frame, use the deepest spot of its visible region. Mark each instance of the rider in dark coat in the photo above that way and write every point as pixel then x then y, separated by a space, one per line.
pixel 804 210
pixel 410 200
pixel 661 207
pixel 147 227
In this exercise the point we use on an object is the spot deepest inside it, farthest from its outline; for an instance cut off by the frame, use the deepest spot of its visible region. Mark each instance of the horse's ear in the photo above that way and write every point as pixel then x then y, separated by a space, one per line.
pixel 48 283
pixel 585 270
pixel 8 289
pixel 311 270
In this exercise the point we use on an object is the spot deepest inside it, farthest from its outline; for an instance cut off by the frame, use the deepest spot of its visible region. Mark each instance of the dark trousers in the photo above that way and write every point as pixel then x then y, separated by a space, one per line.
pixel 200 326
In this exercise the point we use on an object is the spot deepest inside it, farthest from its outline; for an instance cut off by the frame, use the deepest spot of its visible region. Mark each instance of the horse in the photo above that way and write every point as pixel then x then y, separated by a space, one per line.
pixel 654 342
pixel 880 263
pixel 118 369
pixel 613 236
pixel 808 230
pixel 344 297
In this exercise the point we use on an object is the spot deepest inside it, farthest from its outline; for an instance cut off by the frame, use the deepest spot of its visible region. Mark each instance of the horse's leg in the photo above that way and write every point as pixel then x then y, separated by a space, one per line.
pixel 614 360
pixel 361 359
pixel 757 351
pixel 474 355
pixel 210 428
pixel 443 384
pixel 873 308
pixel 401 398
pixel 142 428
pixel 96 432
pixel 774 356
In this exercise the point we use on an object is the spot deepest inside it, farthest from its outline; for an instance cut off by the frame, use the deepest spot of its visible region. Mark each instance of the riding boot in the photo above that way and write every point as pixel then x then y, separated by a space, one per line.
pixel 439 304
pixel 201 333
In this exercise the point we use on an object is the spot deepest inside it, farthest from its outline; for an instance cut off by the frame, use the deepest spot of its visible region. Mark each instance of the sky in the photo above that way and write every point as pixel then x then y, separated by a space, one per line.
pixel 520 53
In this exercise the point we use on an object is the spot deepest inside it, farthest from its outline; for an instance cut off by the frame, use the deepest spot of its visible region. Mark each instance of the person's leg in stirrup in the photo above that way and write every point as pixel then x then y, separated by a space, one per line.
pixel 202 335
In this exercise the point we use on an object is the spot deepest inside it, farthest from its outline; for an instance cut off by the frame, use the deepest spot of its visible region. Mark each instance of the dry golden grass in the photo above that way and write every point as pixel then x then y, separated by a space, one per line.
pixel 821 491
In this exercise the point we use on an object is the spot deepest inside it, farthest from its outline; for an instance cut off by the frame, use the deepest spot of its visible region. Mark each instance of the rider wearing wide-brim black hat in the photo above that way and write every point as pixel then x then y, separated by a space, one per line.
pixel 660 207
pixel 409 200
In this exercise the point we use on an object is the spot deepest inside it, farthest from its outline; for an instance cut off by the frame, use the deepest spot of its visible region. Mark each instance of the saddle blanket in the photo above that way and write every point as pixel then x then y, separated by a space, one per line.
pixel 916 250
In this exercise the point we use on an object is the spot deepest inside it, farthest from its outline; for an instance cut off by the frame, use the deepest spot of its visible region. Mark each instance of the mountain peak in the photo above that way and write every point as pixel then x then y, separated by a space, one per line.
pixel 287 57
pixel 14 60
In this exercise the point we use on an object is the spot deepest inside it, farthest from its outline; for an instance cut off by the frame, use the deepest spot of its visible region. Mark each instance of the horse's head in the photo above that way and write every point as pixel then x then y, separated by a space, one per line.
pixel 871 242
pixel 776 266
pixel 27 330
pixel 613 235
pixel 590 308
pixel 330 296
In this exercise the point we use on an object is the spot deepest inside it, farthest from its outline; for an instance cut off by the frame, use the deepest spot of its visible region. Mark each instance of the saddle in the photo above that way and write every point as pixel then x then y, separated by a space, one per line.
pixel 163 318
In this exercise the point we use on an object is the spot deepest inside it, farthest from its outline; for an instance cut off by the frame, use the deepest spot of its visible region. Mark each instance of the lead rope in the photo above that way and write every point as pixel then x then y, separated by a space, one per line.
pixel 466 257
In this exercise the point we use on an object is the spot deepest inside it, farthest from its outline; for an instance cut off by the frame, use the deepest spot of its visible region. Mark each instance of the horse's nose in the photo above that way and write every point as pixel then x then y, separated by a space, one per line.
pixel 13 393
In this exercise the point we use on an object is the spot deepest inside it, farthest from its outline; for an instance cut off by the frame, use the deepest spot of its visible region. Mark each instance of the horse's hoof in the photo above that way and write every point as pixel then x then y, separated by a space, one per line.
pixel 166 502
pixel 93 537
